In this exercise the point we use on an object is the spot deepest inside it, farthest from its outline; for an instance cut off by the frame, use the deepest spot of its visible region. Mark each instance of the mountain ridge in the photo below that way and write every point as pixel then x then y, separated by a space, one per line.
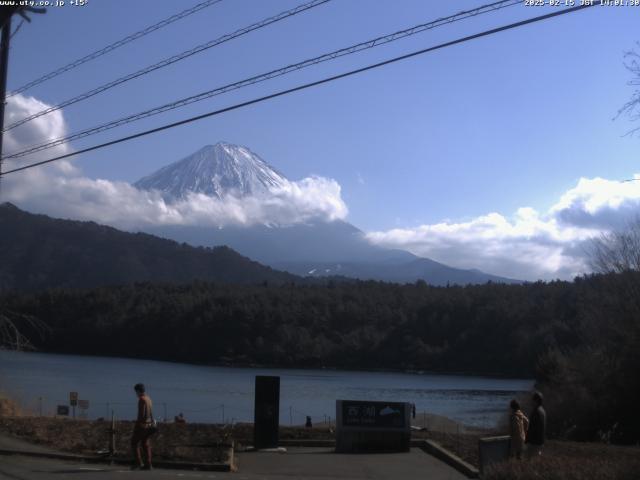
pixel 37 251
pixel 313 248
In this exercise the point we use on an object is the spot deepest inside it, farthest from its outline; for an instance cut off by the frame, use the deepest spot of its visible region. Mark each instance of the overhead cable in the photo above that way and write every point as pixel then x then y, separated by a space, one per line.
pixel 169 61
pixel 309 85
pixel 266 76
pixel 111 47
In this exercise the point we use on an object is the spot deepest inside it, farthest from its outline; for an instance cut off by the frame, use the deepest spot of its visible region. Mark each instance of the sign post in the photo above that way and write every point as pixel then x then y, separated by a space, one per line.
pixel 83 405
pixel 267 412
pixel 73 401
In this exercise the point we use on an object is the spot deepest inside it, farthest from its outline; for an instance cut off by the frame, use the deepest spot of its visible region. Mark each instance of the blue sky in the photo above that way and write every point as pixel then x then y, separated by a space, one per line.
pixel 505 122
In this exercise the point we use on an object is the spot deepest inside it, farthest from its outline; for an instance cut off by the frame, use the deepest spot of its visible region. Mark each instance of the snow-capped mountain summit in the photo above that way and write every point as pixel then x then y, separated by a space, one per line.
pixel 215 170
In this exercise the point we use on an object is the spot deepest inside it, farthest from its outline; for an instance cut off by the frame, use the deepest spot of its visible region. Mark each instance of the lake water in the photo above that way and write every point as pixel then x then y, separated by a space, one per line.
pixel 40 382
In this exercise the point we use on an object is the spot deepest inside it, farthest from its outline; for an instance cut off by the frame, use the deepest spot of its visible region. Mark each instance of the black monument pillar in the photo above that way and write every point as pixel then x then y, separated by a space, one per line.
pixel 267 412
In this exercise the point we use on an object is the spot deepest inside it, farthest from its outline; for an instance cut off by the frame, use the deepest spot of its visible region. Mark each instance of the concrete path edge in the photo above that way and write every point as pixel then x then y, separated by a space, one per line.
pixel 451 459
pixel 428 446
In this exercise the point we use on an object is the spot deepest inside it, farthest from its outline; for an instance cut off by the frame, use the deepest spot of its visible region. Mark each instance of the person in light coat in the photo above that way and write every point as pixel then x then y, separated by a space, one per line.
pixel 518 425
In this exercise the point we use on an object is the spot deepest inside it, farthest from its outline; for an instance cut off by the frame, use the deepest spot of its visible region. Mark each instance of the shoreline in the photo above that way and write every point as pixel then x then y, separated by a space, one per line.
pixel 239 366
pixel 209 393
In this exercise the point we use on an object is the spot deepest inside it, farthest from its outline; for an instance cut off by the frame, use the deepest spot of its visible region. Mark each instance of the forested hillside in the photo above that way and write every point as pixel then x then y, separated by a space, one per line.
pixel 37 251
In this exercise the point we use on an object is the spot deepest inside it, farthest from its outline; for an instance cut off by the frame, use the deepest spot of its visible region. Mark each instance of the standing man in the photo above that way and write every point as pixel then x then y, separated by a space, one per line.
pixel 142 430
pixel 537 427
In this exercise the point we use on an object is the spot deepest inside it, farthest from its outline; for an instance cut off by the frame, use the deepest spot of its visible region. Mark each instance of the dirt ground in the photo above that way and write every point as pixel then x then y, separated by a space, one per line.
pixel 209 443
pixel 8 407
pixel 181 442
pixel 189 442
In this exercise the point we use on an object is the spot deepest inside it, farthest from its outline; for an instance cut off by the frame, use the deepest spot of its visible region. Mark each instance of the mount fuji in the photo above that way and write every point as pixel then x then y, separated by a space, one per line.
pixel 313 248
pixel 215 170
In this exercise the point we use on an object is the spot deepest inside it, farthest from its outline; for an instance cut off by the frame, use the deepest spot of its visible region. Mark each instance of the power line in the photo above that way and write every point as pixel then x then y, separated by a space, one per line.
pixel 269 75
pixel 17 29
pixel 312 84
pixel 171 60
pixel 111 47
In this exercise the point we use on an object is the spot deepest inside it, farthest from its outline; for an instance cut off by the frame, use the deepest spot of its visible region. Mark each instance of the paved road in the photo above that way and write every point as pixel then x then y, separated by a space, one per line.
pixel 11 443
pixel 297 463
pixel 25 468
pixel 323 463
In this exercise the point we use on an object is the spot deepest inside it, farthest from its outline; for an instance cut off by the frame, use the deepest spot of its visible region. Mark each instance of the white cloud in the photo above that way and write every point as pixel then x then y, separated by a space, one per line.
pixel 124 206
pixel 599 203
pixel 528 245
pixel 61 190
pixel 39 130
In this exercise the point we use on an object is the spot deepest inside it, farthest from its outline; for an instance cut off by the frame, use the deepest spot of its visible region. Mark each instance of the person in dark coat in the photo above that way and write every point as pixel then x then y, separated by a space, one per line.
pixel 537 427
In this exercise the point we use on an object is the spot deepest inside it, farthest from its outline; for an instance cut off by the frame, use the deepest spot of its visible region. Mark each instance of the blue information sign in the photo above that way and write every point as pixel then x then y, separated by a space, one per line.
pixel 373 414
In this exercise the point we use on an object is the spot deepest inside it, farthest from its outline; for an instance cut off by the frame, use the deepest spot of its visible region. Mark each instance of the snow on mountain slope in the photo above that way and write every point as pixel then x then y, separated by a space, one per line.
pixel 215 170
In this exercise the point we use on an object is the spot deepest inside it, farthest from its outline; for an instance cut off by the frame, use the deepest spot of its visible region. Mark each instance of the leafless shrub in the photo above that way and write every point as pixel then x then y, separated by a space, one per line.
pixel 13 327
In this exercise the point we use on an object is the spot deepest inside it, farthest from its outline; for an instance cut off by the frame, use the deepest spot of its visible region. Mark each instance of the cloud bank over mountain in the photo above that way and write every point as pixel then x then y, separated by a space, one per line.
pixel 529 245
pixel 61 190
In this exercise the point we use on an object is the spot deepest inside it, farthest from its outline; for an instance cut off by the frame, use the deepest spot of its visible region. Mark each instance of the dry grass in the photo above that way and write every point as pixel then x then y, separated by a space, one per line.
pixel 561 460
pixel 570 461
pixel 190 442
pixel 8 407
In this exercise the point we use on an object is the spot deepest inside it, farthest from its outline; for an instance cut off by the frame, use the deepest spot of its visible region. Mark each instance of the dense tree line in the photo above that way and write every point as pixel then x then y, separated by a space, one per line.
pixel 485 329
pixel 593 386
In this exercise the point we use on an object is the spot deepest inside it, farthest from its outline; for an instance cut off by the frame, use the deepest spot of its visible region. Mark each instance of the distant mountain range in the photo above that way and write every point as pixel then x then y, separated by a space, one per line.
pixel 317 248
pixel 37 252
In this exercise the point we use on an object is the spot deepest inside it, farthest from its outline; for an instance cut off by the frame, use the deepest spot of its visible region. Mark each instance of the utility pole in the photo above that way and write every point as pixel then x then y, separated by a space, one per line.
pixel 112 435
pixel 4 63
pixel 5 18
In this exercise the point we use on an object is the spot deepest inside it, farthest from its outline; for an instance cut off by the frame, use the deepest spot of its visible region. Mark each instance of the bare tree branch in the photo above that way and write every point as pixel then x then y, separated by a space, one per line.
pixel 632 107
pixel 13 326
pixel 617 251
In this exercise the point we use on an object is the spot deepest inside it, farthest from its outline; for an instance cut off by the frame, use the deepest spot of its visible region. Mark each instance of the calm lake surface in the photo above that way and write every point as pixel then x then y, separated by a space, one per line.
pixel 41 381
